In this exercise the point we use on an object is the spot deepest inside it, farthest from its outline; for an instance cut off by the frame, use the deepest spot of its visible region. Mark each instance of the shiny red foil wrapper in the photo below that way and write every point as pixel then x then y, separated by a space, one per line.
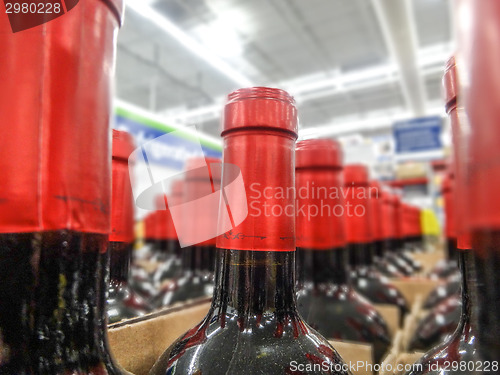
pixel 447 188
pixel 357 210
pixel 260 129
pixel 480 77
pixel 460 154
pixel 149 226
pixel 55 96
pixel 318 179
pixel 202 178
pixel 376 222
pixel 165 229
pixel 398 216
pixel 122 201
pixel 387 216
pixel 408 224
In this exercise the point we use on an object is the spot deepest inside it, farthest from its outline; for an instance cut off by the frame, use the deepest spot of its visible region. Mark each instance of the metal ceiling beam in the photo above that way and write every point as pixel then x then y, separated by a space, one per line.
pixel 397 21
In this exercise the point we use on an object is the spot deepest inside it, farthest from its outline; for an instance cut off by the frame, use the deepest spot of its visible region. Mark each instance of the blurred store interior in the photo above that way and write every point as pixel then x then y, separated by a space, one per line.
pixel 365 72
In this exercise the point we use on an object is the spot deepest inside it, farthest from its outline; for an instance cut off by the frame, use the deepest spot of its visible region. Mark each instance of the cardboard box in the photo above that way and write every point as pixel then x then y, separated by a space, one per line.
pixel 137 343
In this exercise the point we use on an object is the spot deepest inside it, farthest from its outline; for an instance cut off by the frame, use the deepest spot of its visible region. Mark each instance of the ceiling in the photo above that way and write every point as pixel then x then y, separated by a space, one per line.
pixel 343 60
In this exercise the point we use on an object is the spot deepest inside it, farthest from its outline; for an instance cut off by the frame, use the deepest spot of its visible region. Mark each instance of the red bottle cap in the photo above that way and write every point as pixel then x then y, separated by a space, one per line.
pixel 260 108
pixel 398 216
pixel 356 174
pixel 447 189
pixel 313 153
pixel 450 84
pixel 202 180
pixel 357 204
pixel 260 129
pixel 318 180
pixel 122 201
pixel 376 224
pixel 165 224
pixel 203 167
pixel 480 56
pixel 387 215
pixel 56 97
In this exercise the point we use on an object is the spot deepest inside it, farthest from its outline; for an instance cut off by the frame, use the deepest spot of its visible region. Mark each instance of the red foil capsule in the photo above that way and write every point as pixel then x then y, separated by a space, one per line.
pixel 122 201
pixel 398 216
pixel 480 78
pixel 260 129
pixel 447 189
pixel 57 106
pixel 165 224
pixel 376 222
pixel 459 135
pixel 357 204
pixel 320 205
pixel 202 179
pixel 387 216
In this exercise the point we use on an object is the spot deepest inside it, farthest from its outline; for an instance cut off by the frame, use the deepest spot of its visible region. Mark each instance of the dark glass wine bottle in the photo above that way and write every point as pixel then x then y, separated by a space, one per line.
pixel 362 198
pixel 122 300
pixel 55 192
pixel 450 266
pixel 326 298
pixel 253 325
pixel 459 354
pixel 168 245
pixel 400 254
pixel 194 280
pixel 382 259
pixel 480 77
pixel 393 245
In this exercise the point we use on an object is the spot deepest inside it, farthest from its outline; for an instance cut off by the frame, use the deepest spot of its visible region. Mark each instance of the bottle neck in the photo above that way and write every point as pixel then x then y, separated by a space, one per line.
pixel 378 249
pixel 322 266
pixel 360 254
pixel 469 284
pixel 192 258
pixel 251 284
pixel 120 254
pixel 58 284
pixel 451 248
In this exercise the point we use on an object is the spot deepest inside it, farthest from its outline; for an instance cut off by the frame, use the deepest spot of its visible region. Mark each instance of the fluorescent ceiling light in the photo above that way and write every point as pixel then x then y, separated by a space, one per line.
pixel 198 49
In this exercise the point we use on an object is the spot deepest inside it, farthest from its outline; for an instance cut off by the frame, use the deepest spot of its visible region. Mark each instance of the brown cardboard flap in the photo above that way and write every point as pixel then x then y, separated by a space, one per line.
pixel 137 343
pixel 390 313
pixel 428 260
pixel 410 288
pixel 354 352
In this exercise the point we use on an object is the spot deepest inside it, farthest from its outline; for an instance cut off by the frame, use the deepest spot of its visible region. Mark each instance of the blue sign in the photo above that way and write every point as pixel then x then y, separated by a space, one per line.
pixel 419 134
pixel 171 151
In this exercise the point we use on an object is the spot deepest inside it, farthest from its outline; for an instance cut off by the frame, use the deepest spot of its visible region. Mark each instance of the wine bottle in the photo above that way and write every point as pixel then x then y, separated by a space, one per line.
pixel 479 86
pixel 253 325
pixel 195 281
pixel 122 300
pixel 383 262
pixel 461 349
pixel 326 298
pixel 55 192
pixel 168 243
pixel 450 267
pixel 363 198
pixel 395 245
